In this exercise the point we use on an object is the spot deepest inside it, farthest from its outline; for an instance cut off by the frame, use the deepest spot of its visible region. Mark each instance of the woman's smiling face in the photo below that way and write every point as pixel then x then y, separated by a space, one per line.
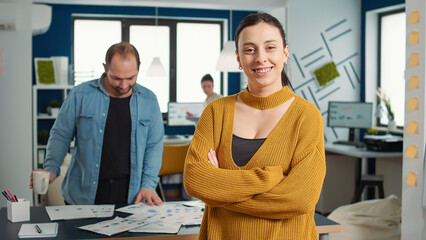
pixel 262 55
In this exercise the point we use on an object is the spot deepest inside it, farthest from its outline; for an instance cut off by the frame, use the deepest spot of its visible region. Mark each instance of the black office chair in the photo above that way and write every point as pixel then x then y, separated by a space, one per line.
pixel 366 181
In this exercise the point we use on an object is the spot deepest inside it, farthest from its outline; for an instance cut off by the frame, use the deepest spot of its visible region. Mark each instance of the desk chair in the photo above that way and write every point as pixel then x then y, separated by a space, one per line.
pixel 173 162
pixel 369 180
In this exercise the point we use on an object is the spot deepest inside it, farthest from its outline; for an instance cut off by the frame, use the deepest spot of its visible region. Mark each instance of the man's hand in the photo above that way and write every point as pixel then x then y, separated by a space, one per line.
pixel 150 196
pixel 31 177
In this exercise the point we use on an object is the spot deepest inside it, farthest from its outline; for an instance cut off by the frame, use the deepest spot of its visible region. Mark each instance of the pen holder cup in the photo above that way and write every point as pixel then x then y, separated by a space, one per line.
pixel 18 211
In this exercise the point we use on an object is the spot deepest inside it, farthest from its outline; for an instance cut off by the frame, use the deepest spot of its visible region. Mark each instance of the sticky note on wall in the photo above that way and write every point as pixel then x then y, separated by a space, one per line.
pixel 413 104
pixel 411 151
pixel 412 127
pixel 414 17
pixel 414 60
pixel 414 38
pixel 414 82
pixel 412 179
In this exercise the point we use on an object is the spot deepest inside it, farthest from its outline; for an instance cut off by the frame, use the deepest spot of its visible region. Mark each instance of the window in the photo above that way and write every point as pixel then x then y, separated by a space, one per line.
pixel 391 62
pixel 188 49
pixel 91 46
pixel 157 45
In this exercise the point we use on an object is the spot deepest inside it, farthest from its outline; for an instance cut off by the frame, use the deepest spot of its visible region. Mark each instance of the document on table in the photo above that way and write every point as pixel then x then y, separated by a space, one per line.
pixel 167 206
pixel 113 226
pixel 29 230
pixel 167 218
pixel 187 215
pixel 197 203
pixel 69 212
pixel 102 211
pixel 160 224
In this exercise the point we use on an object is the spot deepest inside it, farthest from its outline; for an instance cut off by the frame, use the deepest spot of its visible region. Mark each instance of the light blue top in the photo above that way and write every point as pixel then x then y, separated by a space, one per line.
pixel 83 116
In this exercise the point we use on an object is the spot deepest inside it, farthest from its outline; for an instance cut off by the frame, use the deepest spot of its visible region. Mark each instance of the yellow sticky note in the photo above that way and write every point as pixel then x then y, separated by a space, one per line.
pixel 414 17
pixel 414 38
pixel 413 104
pixel 414 60
pixel 412 179
pixel 414 82
pixel 411 151
pixel 412 127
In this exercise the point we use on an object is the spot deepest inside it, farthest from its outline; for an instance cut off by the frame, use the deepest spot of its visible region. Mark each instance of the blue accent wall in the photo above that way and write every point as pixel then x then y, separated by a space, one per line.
pixel 57 41
pixel 368 5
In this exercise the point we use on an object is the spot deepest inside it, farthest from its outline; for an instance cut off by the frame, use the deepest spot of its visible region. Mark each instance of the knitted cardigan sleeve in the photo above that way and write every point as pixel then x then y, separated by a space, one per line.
pixel 216 186
pixel 299 192
pixel 260 192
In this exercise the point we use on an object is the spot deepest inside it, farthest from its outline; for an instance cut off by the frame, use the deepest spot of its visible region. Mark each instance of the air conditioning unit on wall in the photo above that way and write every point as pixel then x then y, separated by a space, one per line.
pixel 41 18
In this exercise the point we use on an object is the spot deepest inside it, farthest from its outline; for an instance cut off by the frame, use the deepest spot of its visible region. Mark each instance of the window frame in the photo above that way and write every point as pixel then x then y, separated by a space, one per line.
pixel 379 52
pixel 126 22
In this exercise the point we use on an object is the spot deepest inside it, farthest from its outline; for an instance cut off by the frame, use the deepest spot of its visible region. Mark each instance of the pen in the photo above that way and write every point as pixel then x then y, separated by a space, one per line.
pixel 7 197
pixel 15 198
pixel 38 228
pixel 11 196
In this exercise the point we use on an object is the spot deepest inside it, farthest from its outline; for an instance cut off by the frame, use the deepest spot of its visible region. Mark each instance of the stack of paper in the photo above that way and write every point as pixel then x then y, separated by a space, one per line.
pixel 46 230
pixel 167 218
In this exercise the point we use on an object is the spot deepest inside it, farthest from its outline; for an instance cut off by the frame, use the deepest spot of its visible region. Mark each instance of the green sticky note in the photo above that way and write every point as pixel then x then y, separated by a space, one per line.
pixel 45 72
pixel 326 73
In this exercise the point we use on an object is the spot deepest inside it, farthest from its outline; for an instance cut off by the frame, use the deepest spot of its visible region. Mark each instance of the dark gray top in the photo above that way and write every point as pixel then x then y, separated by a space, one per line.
pixel 243 149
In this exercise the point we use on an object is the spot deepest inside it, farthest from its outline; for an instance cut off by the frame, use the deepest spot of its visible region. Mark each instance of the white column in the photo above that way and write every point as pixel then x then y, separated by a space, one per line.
pixel 413 197
pixel 15 99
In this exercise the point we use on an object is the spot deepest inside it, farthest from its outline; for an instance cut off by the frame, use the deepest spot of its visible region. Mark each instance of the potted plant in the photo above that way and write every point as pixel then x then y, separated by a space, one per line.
pixel 384 100
pixel 53 107
pixel 43 136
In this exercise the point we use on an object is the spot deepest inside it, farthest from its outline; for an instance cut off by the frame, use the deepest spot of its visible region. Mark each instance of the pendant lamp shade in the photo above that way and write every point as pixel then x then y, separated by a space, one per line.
pixel 227 61
pixel 156 69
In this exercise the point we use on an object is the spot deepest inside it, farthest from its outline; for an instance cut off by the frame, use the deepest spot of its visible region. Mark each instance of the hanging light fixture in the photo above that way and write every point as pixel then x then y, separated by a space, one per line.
pixel 156 68
pixel 227 61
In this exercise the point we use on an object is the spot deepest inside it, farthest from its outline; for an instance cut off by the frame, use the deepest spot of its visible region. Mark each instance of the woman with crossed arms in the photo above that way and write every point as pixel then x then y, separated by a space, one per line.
pixel 257 158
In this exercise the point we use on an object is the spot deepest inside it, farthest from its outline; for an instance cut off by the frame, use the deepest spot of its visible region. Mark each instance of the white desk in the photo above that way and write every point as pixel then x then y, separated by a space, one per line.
pixel 361 153
pixel 177 139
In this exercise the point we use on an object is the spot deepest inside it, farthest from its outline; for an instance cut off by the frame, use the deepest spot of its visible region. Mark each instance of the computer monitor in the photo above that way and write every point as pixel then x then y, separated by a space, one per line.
pixel 177 113
pixel 352 115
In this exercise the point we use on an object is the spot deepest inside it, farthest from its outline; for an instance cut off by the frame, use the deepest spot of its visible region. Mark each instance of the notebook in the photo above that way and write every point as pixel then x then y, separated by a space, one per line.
pixel 30 231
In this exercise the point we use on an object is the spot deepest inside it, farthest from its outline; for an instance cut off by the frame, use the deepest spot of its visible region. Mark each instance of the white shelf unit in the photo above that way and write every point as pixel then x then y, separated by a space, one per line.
pixel 42 94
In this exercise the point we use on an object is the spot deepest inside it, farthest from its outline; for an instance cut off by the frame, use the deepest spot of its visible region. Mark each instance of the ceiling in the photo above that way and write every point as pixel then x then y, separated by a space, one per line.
pixel 266 5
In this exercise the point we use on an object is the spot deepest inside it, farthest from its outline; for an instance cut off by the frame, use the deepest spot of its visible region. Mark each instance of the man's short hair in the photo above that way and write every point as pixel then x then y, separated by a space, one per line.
pixel 124 49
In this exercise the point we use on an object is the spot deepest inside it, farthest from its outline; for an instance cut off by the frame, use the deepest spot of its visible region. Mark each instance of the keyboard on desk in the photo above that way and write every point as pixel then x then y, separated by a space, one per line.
pixel 171 136
pixel 355 144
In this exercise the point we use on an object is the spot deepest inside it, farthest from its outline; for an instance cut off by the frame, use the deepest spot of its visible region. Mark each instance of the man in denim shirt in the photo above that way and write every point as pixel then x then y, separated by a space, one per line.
pixel 118 131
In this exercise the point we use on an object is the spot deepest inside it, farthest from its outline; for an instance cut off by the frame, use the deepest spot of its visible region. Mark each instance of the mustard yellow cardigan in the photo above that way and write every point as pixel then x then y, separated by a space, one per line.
pixel 255 201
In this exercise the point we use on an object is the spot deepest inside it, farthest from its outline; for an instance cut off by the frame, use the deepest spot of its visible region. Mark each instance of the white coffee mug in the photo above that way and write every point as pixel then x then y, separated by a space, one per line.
pixel 40 182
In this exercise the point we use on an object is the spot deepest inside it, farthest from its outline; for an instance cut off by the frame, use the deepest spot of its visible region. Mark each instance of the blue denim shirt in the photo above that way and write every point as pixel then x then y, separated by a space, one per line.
pixel 83 116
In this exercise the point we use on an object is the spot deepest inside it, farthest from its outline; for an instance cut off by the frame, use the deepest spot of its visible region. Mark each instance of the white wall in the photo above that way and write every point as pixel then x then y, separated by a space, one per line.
pixel 15 99
pixel 312 25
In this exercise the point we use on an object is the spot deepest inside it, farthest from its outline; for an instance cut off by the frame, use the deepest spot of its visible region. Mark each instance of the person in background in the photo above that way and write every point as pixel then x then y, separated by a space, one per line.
pixel 257 157
pixel 208 86
pixel 118 131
